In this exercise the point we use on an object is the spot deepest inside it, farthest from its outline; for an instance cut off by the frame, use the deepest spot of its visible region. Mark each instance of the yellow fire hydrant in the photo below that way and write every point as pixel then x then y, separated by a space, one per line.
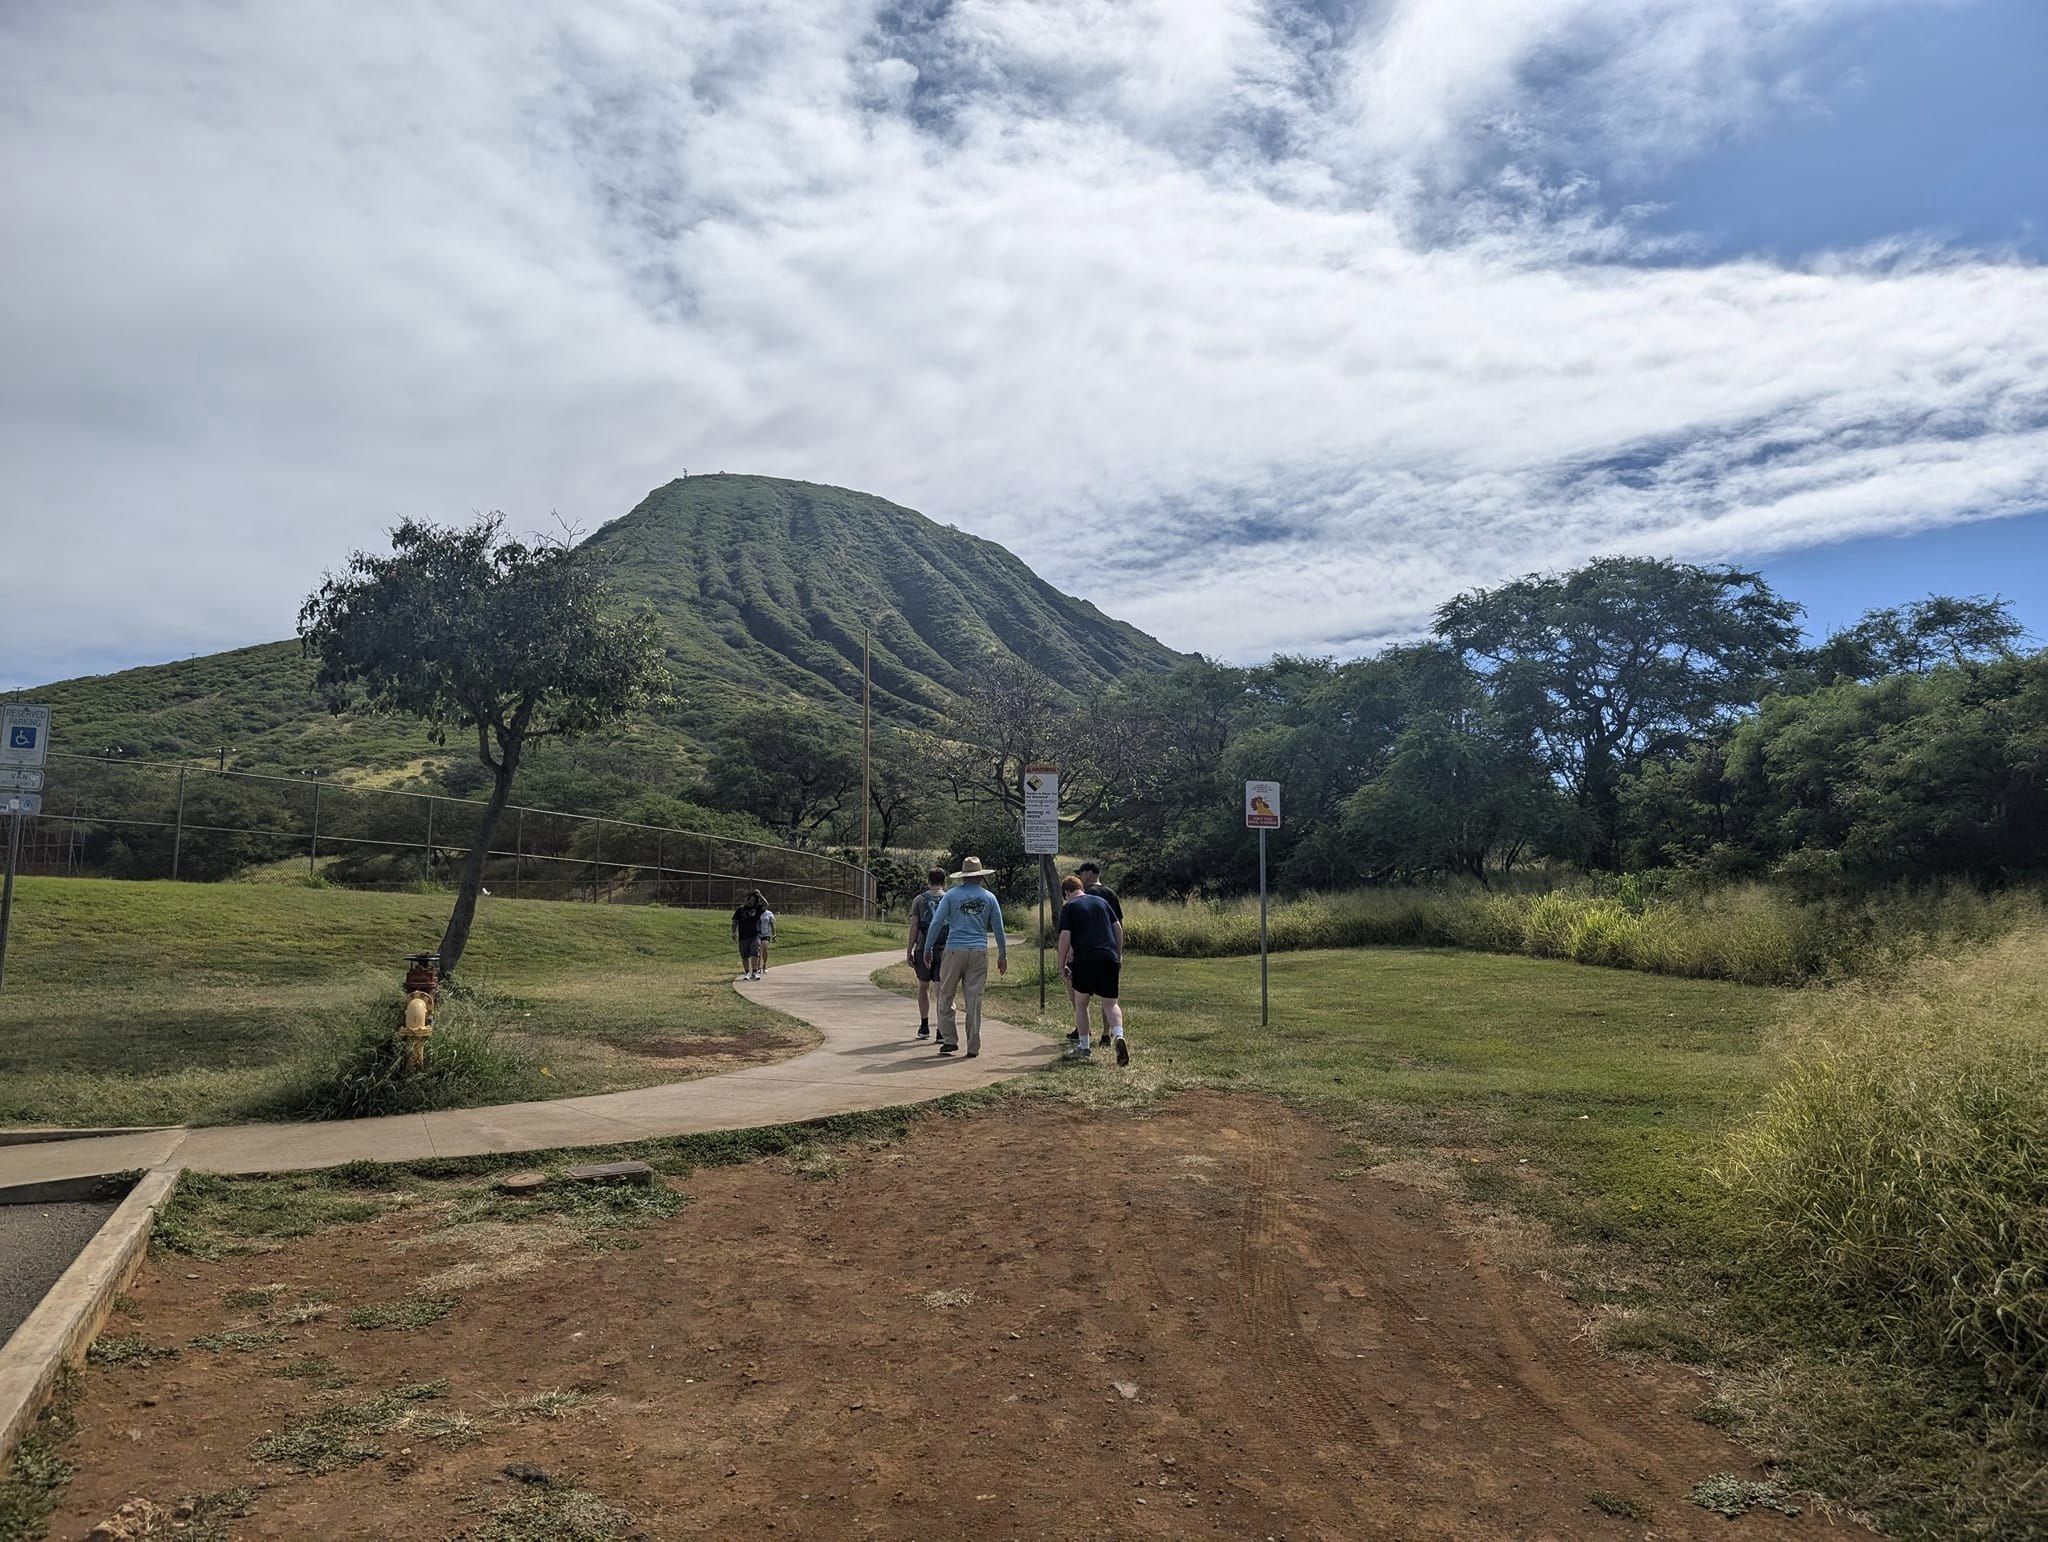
pixel 422 984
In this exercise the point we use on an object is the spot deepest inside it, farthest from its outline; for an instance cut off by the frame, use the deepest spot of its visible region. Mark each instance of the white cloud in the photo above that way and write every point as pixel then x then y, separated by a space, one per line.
pixel 1254 290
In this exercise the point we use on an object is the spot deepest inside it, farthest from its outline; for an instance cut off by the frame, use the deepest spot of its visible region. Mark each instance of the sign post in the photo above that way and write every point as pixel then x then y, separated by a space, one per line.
pixel 1262 813
pixel 1041 840
pixel 24 745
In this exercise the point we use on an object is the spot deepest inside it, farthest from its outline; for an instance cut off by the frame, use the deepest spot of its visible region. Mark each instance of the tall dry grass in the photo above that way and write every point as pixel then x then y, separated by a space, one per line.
pixel 1899 1169
pixel 1751 933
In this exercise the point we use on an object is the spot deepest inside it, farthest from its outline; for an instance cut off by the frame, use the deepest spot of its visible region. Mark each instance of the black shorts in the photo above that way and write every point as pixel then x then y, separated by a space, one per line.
pixel 926 973
pixel 1097 976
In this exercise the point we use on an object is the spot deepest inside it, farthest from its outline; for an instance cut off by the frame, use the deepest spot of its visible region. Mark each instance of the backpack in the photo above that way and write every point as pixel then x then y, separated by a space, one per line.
pixel 922 908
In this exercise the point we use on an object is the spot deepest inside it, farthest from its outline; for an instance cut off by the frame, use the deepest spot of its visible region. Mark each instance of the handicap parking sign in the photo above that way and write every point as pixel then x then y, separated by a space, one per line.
pixel 24 735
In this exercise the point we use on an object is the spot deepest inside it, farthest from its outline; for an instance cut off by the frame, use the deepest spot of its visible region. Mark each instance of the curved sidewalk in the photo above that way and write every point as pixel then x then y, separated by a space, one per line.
pixel 868 1060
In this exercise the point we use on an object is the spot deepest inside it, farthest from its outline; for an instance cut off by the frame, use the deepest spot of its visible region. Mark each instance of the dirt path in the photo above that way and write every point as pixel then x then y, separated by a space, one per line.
pixel 1033 1323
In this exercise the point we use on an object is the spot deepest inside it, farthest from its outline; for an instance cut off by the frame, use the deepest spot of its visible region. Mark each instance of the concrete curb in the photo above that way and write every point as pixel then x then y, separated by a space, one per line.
pixel 40 1134
pixel 59 1331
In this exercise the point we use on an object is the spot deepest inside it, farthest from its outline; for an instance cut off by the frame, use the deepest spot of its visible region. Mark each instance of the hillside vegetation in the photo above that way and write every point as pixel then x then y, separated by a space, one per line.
pixel 760 587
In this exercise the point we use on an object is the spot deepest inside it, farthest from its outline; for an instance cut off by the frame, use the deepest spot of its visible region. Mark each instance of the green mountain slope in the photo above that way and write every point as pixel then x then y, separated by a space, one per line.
pixel 761 587
pixel 764 583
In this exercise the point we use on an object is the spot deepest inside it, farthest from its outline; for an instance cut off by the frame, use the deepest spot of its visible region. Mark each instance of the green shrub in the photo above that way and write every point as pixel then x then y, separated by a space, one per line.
pixel 353 1064
pixel 1752 933
pixel 1605 933
pixel 1547 925
pixel 1897 1169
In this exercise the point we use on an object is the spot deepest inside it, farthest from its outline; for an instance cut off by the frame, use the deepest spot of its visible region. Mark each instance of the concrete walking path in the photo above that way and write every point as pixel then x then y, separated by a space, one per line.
pixel 869 1059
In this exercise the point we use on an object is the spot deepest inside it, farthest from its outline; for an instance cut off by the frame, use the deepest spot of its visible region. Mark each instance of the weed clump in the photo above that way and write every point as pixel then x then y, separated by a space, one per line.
pixel 1755 934
pixel 353 1066
pixel 340 1435
pixel 1897 1169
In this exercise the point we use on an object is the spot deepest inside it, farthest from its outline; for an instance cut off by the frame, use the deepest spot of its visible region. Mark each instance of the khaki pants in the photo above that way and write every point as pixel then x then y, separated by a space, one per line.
pixel 962 970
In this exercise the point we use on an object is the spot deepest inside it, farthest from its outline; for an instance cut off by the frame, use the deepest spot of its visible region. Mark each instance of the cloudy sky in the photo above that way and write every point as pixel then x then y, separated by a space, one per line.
pixel 1267 324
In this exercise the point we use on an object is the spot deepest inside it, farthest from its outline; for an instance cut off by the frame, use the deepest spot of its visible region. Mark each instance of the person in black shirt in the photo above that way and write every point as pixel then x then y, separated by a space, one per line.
pixel 1091 948
pixel 927 971
pixel 746 931
pixel 1091 883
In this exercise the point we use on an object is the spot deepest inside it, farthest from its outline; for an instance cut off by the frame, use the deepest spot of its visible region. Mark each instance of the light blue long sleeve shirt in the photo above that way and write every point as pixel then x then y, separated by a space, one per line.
pixel 967 915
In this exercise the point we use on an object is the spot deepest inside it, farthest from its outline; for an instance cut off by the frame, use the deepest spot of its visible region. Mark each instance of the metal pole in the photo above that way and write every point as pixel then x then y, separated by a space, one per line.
pixel 519 852
pixel 1041 937
pixel 178 833
pixel 1262 929
pixel 7 893
pixel 313 853
pixel 867 736
pixel 430 841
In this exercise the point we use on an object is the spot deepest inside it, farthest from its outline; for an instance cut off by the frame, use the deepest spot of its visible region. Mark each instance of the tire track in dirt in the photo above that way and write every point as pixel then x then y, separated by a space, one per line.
pixel 1521 1393
pixel 1340 1427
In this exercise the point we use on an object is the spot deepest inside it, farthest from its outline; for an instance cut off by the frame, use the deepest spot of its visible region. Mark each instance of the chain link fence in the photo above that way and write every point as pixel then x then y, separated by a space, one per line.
pixel 110 818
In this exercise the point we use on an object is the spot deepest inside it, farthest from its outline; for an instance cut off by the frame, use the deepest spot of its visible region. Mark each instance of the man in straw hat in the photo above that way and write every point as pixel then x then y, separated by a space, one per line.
pixel 967 917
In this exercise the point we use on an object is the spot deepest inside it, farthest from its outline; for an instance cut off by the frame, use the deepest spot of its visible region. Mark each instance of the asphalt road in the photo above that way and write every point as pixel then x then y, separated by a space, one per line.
pixel 37 1243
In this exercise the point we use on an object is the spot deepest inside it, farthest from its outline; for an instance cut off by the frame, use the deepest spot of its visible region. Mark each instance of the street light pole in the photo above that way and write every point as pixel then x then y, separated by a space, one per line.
pixel 867 737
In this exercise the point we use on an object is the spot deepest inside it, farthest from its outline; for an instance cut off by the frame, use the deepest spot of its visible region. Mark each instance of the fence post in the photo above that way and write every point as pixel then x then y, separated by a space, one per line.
pixel 519 852
pixel 178 830
pixel 313 852
pixel 428 854
pixel 660 868
pixel 597 865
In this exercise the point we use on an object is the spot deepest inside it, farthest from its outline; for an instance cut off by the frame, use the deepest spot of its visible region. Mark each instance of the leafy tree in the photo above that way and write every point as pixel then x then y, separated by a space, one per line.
pixel 987 831
pixel 1622 660
pixel 507 640
pixel 899 784
pixel 1923 635
pixel 791 768
pixel 1009 716
pixel 1459 794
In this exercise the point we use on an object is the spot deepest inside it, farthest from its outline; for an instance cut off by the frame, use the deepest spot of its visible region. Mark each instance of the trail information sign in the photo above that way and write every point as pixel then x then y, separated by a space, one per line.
pixel 1042 811
pixel 1262 805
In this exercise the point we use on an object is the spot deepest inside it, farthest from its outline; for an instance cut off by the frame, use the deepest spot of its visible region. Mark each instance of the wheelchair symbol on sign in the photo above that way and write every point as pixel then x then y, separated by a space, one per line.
pixel 21 738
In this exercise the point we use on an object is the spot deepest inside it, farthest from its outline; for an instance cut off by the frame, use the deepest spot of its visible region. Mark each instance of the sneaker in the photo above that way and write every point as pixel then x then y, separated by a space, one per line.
pixel 949 1049
pixel 1073 1036
pixel 972 1053
pixel 924 1030
pixel 1123 1051
pixel 1081 1052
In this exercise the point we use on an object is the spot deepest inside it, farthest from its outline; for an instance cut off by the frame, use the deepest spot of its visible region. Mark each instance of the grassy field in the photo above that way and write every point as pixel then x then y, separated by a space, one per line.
pixel 1616 1085
pixel 149 1003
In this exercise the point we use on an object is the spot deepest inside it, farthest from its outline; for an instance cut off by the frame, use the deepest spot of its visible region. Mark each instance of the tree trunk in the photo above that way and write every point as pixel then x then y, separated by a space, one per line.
pixel 456 937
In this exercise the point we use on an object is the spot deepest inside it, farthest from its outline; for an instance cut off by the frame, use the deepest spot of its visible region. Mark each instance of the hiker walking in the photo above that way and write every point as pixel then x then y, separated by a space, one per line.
pixel 926 970
pixel 746 931
pixel 764 933
pixel 967 917
pixel 1091 883
pixel 1091 949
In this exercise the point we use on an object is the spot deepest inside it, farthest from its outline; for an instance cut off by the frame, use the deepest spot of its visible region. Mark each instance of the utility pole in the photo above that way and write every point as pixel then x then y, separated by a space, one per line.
pixel 867 743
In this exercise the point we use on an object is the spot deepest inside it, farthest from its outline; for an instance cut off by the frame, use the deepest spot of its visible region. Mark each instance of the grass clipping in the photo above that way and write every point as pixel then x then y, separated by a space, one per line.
pixel 1898 1168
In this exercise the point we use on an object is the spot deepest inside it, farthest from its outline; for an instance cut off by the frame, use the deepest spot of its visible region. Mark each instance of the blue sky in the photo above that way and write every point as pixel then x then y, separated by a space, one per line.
pixel 1311 313
pixel 2006 558
pixel 1929 120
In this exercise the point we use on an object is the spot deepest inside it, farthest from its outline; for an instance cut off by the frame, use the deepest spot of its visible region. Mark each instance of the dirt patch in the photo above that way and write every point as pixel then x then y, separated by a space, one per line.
pixel 1040 1322
pixel 743 1049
